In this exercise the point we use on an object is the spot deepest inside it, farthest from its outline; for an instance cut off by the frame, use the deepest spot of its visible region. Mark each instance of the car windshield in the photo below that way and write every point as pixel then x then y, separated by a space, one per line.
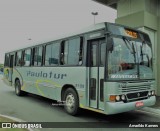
pixel 129 60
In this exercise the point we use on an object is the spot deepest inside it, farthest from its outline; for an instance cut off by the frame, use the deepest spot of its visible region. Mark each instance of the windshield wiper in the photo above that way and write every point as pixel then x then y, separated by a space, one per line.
pixel 127 42
pixel 130 47
pixel 142 54
pixel 134 51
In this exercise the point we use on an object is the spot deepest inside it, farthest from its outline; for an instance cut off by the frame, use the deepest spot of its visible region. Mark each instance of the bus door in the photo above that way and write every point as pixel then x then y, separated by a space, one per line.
pixel 96 61
pixel 11 67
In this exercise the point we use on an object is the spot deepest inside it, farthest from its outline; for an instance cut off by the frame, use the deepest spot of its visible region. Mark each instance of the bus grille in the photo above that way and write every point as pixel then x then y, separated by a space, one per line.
pixel 128 89
pixel 135 91
pixel 137 95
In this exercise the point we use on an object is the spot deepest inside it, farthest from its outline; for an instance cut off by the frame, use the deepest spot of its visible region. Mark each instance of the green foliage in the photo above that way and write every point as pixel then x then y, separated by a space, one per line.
pixel 1 65
pixel 3 119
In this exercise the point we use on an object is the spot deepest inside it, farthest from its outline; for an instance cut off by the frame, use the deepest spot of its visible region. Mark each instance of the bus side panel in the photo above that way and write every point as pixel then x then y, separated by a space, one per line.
pixel 48 81
pixel 75 76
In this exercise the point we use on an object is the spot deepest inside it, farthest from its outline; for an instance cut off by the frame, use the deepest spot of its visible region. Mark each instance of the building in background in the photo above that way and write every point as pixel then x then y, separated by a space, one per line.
pixel 143 15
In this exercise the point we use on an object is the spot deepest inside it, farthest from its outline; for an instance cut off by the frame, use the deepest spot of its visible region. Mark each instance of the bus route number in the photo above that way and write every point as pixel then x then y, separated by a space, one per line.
pixel 131 33
pixel 79 85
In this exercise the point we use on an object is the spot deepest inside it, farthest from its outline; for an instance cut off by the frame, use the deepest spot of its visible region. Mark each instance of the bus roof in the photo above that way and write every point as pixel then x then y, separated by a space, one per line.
pixel 91 28
pixel 85 30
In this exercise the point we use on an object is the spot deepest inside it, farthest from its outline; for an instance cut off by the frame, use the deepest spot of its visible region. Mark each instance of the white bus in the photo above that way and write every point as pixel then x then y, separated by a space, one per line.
pixel 105 68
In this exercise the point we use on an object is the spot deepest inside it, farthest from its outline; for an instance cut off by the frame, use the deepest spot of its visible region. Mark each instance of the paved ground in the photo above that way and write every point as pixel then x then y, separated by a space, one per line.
pixel 33 108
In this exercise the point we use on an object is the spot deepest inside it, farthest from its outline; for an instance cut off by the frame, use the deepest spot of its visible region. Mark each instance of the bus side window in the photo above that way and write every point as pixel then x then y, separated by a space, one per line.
pixel 27 57
pixel 22 59
pixel 48 55
pixel 37 56
pixel 52 54
pixel 66 51
pixel 33 56
pixel 18 58
pixel 81 51
pixel 15 61
pixel 6 63
pixel 71 52
pixel 62 54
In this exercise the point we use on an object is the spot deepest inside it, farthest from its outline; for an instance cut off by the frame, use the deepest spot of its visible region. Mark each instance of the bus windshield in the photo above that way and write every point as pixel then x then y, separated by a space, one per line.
pixel 129 60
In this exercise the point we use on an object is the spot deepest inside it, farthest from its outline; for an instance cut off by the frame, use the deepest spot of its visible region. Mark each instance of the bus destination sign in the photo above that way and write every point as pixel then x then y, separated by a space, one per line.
pixel 131 33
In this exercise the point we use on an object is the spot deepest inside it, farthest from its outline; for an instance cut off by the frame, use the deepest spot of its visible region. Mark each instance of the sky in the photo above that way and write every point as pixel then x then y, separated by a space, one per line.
pixel 23 22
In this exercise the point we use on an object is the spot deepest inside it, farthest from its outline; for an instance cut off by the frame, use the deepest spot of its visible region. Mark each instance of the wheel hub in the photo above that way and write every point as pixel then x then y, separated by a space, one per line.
pixel 70 101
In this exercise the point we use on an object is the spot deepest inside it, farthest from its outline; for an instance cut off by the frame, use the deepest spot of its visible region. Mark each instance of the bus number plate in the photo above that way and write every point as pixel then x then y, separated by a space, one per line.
pixel 139 104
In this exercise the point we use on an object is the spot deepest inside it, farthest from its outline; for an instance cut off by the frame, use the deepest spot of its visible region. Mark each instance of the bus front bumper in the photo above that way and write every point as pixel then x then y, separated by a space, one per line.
pixel 119 107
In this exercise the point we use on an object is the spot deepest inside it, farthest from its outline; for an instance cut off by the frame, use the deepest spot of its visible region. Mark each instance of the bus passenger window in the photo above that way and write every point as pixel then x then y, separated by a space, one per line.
pixel 65 58
pixel 22 59
pixel 27 57
pixel 37 56
pixel 48 55
pixel 62 54
pixel 81 52
pixel 18 58
pixel 70 52
pixel 6 63
pixel 52 54
pixel 34 62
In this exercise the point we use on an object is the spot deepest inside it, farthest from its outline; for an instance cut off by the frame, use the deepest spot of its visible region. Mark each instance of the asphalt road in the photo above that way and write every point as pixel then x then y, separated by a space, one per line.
pixel 33 108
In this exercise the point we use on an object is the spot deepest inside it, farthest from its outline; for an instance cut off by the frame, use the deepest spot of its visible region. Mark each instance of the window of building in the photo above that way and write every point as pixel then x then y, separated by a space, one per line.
pixel 52 54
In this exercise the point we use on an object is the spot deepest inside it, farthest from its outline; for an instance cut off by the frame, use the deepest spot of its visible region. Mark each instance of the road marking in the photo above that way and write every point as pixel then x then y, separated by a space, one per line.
pixel 149 112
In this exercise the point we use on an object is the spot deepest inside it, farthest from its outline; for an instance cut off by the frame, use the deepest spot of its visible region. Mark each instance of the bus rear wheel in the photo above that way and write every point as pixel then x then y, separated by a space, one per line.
pixel 71 100
pixel 18 88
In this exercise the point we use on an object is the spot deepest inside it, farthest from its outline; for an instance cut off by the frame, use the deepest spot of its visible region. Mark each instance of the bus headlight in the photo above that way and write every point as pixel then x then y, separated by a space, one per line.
pixel 149 93
pixel 117 98
pixel 123 97
pixel 114 98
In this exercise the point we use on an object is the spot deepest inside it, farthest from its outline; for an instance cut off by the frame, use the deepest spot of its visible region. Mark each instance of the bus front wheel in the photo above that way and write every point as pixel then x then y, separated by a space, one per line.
pixel 18 88
pixel 71 100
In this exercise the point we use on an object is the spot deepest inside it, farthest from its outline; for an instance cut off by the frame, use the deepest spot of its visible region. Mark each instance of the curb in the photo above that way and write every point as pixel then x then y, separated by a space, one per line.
pixel 12 118
pixel 17 120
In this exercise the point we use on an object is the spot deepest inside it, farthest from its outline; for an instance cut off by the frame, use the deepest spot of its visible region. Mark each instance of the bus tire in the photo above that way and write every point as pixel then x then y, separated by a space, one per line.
pixel 18 90
pixel 71 100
